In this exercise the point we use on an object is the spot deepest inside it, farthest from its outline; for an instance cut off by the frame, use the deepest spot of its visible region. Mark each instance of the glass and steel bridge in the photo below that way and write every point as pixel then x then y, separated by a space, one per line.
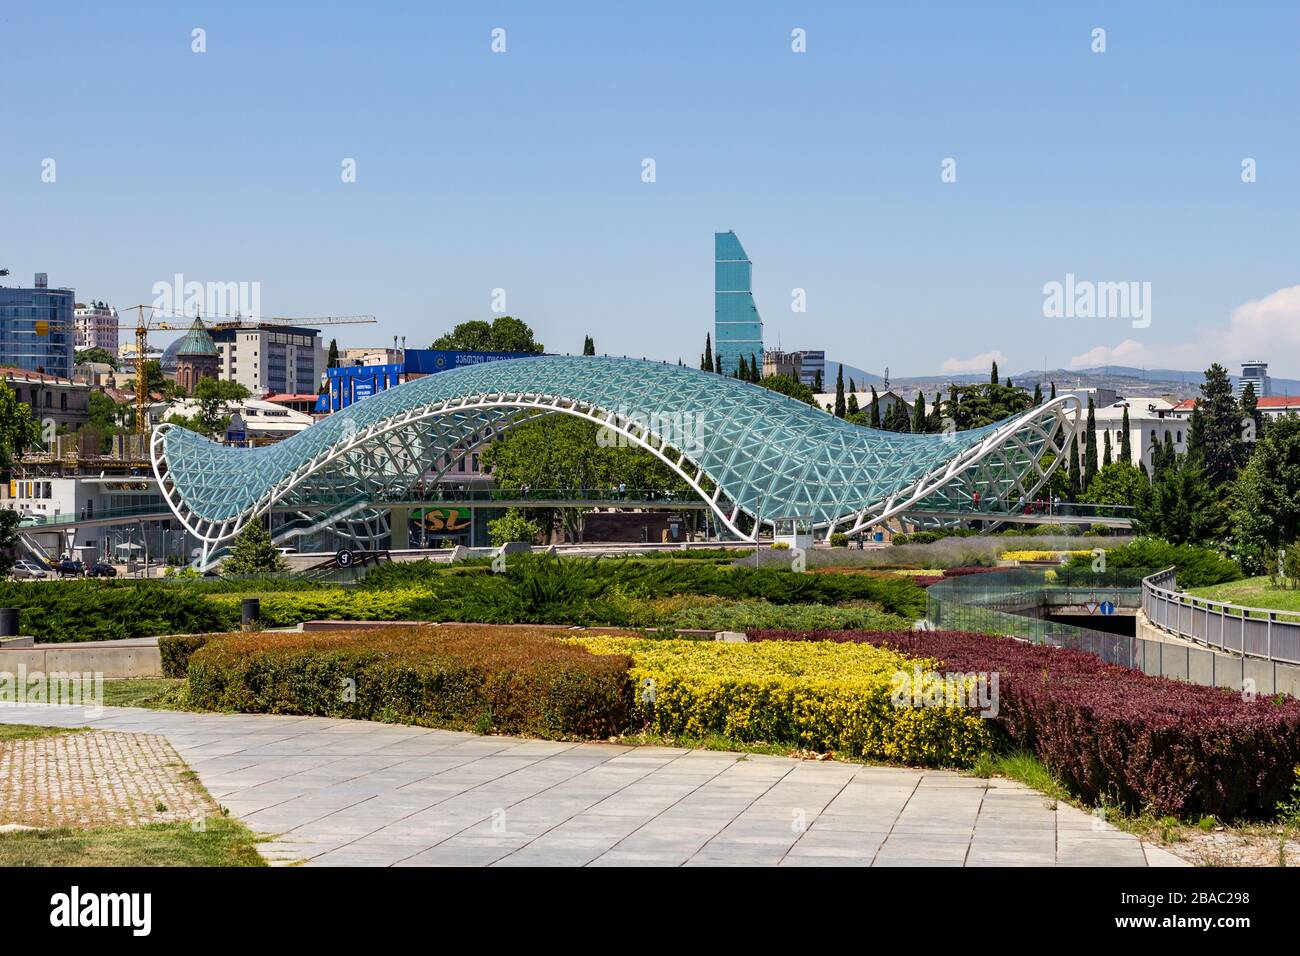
pixel 741 449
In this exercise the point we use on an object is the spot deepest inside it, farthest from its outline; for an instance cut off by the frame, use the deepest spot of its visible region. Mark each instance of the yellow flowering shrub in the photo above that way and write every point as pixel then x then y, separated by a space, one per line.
pixel 1039 555
pixel 816 695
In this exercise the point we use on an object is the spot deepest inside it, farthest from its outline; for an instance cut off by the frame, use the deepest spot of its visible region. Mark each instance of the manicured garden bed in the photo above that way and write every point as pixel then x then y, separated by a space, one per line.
pixel 1117 735
pixel 816 696
pixel 514 681
pixel 532 590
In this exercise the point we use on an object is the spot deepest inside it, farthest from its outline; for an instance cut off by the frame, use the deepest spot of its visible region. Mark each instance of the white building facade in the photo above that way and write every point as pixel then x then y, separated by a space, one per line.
pixel 95 327
pixel 269 359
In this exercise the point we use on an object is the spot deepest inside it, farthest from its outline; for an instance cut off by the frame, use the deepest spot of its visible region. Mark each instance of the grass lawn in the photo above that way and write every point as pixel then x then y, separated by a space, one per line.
pixel 224 842
pixel 1252 592
pixel 143 692
pixel 31 732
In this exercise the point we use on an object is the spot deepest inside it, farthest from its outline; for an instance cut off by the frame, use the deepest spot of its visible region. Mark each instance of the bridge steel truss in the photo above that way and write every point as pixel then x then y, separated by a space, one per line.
pixel 751 454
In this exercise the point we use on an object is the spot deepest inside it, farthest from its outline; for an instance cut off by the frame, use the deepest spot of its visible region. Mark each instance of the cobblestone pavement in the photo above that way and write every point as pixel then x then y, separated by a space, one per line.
pixel 353 793
pixel 95 779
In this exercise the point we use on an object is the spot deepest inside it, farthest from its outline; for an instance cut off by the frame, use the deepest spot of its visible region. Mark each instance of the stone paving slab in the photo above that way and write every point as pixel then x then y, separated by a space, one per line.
pixel 352 793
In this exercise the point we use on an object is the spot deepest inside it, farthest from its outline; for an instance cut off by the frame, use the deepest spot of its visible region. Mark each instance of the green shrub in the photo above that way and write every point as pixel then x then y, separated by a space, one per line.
pixel 175 651
pixel 1196 566
pixel 812 695
pixel 839 540
pixel 515 682
pixel 59 611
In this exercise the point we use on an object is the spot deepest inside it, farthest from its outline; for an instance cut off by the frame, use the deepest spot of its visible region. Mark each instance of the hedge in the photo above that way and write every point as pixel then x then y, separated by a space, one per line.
pixel 1196 566
pixel 818 696
pixel 1119 735
pixel 58 611
pixel 515 682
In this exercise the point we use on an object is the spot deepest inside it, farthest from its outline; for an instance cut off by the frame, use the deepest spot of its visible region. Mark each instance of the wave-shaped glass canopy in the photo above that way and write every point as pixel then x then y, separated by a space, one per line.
pixel 743 448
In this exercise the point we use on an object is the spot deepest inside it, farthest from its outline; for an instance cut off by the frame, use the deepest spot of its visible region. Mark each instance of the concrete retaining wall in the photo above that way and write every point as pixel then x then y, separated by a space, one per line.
pixel 134 660
pixel 1161 653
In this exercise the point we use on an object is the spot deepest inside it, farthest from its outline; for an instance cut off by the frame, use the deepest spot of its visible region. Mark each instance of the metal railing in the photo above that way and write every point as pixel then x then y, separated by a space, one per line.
pixel 1039 507
pixel 1002 602
pixel 1264 633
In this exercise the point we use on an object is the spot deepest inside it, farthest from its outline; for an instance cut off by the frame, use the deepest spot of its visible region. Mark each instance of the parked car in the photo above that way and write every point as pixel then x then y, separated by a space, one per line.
pixel 101 569
pixel 28 571
pixel 70 567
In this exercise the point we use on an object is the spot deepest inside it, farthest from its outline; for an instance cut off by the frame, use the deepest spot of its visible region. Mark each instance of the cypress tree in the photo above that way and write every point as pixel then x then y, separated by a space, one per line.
pixel 589 346
pixel 706 362
pixel 993 377
pixel 1105 455
pixel 755 371
pixel 918 413
pixel 1250 409
pixel 1125 443
pixel 333 360
pixel 875 409
pixel 840 408
pixel 1053 390
pixel 1038 394
pixel 852 407
pixel 818 385
pixel 1090 447
pixel 1072 479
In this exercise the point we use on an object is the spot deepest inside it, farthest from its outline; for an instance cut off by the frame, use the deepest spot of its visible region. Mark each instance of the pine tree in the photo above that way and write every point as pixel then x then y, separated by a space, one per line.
pixel 1125 443
pixel 993 378
pixel 1214 435
pixel 875 409
pixel 918 414
pixel 841 409
pixel 1090 447
pixel 253 552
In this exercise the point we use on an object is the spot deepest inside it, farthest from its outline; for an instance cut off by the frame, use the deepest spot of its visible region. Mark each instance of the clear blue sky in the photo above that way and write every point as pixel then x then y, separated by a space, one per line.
pixel 523 170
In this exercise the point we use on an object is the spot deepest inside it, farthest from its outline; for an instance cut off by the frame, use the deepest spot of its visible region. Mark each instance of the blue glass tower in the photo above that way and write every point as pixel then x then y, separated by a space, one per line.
pixel 36 328
pixel 737 328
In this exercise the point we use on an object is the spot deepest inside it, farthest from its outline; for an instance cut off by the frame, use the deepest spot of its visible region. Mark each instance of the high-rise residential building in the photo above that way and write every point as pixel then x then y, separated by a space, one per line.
pixel 36 330
pixel 1256 373
pixel 96 327
pixel 737 327
pixel 267 358
pixel 812 365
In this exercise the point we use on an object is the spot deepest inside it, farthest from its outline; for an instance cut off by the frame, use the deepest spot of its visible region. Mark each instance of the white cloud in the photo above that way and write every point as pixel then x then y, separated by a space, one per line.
pixel 1267 329
pixel 976 363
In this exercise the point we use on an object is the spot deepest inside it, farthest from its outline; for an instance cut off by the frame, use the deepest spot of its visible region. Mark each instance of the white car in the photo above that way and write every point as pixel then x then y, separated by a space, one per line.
pixel 28 570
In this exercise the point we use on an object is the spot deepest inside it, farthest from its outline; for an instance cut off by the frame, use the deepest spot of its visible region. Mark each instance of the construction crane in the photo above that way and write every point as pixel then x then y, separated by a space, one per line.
pixel 148 320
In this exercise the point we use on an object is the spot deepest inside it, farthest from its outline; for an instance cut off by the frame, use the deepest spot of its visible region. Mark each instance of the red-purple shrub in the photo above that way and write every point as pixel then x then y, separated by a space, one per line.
pixel 1117 734
pixel 968 569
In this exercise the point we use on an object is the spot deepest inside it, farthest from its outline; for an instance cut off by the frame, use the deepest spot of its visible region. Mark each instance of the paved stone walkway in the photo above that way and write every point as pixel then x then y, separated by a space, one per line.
pixel 95 779
pixel 353 793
